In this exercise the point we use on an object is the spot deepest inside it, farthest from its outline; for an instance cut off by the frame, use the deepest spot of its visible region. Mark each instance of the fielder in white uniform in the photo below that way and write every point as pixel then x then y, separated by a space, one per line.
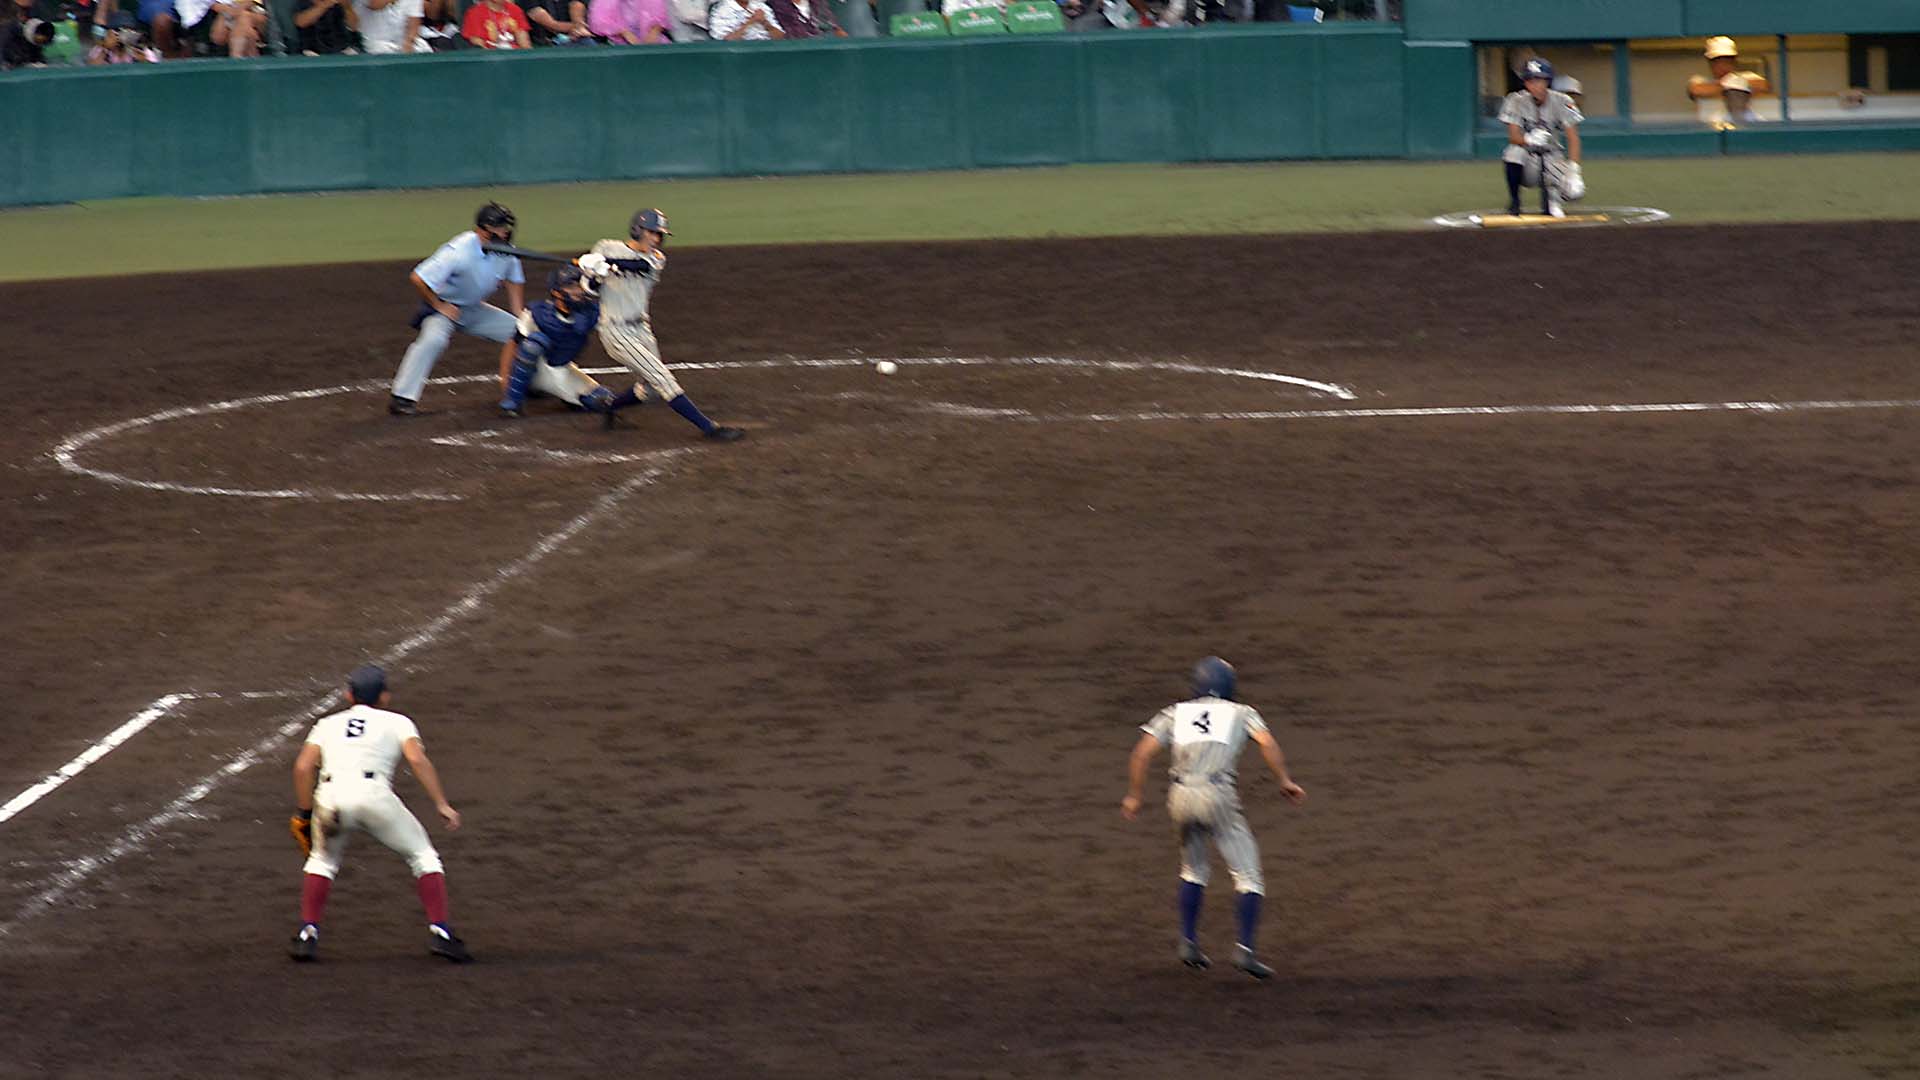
pixel 1537 118
pixel 1207 734
pixel 343 783
pixel 627 271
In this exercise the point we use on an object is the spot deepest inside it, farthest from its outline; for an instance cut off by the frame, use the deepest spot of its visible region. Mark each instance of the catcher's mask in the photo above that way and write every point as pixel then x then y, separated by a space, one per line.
pixel 566 278
pixel 1213 677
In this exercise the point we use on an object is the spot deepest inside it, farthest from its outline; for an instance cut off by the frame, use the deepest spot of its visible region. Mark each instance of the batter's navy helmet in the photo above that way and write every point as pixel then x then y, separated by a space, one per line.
pixel 1536 68
pixel 648 220
pixel 1213 677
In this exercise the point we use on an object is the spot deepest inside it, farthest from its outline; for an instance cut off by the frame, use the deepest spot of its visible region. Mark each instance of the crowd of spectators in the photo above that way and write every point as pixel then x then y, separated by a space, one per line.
pixel 44 32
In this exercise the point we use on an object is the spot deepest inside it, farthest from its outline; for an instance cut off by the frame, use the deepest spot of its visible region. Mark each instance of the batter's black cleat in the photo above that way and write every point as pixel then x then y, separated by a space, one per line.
pixel 441 942
pixel 306 944
pixel 1244 959
pixel 399 406
pixel 726 434
pixel 1190 955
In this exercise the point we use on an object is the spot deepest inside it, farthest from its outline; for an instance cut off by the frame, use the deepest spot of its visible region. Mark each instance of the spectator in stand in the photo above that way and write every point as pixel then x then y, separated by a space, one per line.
pixel 558 22
pixel 389 26
pixel 632 22
pixel 439 25
pixel 743 20
pixel 689 20
pixel 325 27
pixel 239 26
pixel 496 24
pixel 122 44
pixel 163 26
pixel 805 18
pixel 25 44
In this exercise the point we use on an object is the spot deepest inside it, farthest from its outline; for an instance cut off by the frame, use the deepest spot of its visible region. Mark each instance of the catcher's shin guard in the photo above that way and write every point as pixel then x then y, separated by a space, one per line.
pixel 518 380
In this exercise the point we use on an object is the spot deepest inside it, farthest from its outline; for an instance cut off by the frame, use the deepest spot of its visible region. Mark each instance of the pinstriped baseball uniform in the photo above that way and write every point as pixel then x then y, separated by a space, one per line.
pixel 1207 735
pixel 626 329
pixel 1555 115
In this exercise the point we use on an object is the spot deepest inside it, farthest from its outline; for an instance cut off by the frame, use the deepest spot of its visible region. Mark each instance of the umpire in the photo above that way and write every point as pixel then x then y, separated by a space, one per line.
pixel 454 284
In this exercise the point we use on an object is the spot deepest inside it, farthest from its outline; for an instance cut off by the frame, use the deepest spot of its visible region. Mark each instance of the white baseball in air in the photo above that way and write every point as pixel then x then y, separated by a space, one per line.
pixel 886 367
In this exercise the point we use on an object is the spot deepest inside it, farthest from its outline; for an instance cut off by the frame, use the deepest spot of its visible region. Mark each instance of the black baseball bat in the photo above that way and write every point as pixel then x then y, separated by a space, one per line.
pixel 523 253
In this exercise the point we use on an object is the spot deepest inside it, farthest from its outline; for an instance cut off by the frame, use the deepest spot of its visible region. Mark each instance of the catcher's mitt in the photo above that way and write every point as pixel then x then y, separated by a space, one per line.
pixel 301 826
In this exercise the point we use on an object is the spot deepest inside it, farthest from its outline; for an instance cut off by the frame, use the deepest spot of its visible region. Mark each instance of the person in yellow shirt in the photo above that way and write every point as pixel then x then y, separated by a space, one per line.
pixel 1728 82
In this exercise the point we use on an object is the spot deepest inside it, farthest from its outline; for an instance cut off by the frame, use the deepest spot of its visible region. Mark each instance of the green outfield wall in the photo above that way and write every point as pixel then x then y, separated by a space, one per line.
pixel 297 124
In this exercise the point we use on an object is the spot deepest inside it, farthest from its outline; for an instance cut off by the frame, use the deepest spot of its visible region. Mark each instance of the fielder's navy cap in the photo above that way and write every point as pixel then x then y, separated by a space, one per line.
pixel 367 683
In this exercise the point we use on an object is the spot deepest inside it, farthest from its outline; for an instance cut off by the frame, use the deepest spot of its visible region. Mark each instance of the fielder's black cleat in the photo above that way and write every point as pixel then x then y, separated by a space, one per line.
pixel 399 406
pixel 609 419
pixel 1244 959
pixel 1191 956
pixel 726 434
pixel 443 943
pixel 306 944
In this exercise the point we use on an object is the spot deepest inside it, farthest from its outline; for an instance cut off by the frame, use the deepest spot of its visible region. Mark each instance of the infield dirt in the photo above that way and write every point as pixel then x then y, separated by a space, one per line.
pixel 805 760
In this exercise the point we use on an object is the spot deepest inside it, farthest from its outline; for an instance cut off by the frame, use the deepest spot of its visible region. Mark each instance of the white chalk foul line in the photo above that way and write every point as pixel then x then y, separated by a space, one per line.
pixel 113 740
pixel 77 871
pixel 1475 410
pixel 491 440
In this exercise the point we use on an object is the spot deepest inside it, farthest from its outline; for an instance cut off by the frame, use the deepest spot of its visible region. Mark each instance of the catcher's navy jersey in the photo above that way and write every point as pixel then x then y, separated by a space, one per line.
pixel 559 336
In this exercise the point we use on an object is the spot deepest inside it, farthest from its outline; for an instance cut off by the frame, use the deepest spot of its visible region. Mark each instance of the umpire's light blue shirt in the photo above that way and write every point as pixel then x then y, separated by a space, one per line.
pixel 460 273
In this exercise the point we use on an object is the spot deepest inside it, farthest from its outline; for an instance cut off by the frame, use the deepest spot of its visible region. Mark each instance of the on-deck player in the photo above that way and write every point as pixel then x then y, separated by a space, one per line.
pixel 1536 117
pixel 454 283
pixel 629 270
pixel 343 781
pixel 1207 734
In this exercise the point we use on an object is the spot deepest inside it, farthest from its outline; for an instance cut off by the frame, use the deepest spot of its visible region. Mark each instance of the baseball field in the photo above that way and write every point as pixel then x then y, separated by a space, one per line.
pixel 1573 569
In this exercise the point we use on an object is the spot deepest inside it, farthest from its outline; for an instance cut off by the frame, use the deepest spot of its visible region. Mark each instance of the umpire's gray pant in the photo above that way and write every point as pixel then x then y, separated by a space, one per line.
pixel 480 320
pixel 1206 811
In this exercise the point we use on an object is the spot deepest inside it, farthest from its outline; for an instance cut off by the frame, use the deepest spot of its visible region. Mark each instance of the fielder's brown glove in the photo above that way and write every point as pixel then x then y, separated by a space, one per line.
pixel 301 826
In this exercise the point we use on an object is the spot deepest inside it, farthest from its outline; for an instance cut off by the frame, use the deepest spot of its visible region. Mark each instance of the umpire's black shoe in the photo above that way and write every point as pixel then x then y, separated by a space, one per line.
pixel 399 406
pixel 1244 959
pixel 306 944
pixel 726 434
pixel 441 942
pixel 1190 955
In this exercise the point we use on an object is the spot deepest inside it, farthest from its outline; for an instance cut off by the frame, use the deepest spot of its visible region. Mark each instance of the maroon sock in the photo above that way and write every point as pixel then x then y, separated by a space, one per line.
pixel 313 898
pixel 433 896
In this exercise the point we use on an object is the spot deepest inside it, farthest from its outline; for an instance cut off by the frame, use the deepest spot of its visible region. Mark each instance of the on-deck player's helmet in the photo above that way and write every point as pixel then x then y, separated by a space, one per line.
pixel 1536 68
pixel 648 220
pixel 494 216
pixel 1213 677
